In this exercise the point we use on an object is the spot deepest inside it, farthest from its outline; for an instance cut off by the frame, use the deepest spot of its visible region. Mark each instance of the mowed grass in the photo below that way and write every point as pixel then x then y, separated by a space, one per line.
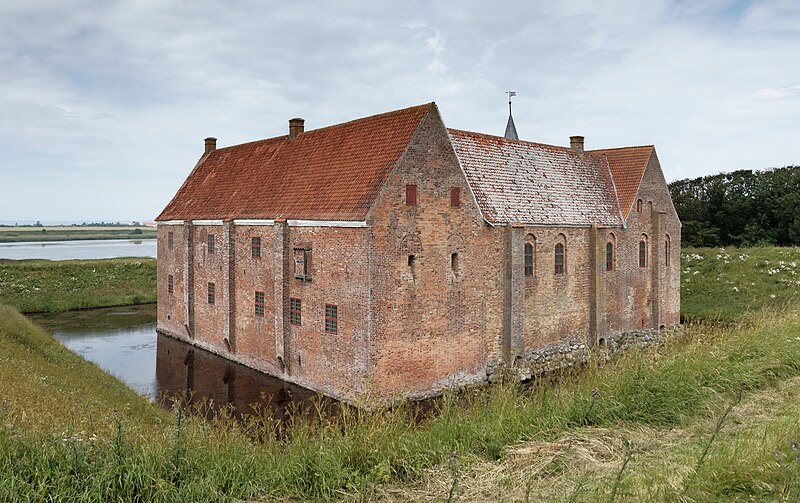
pixel 53 286
pixel 73 233
pixel 659 409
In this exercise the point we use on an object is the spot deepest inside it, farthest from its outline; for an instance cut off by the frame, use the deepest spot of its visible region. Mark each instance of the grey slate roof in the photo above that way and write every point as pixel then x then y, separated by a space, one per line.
pixel 532 183
pixel 511 129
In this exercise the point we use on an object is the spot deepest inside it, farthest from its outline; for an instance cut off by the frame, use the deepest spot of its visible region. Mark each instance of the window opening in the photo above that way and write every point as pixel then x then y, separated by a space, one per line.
pixel 302 257
pixel 170 284
pixel 642 253
pixel 212 293
pixel 639 205
pixel 170 239
pixel 295 308
pixel 528 259
pixel 455 197
pixel 211 243
pixel 260 304
pixel 412 262
pixel 454 265
pixel 559 259
pixel 411 194
pixel 666 250
pixel 331 319
pixel 255 247
pixel 609 256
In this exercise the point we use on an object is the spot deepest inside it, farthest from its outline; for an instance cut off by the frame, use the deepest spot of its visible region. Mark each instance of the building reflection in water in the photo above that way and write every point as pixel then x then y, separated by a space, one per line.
pixel 192 377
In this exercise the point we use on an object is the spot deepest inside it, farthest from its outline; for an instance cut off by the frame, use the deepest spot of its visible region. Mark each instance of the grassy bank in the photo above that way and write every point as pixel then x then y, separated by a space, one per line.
pixel 710 416
pixel 53 286
pixel 73 233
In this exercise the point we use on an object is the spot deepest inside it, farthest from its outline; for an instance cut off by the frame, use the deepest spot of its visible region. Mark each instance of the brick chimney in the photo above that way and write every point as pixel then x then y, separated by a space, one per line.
pixel 576 143
pixel 295 127
pixel 211 144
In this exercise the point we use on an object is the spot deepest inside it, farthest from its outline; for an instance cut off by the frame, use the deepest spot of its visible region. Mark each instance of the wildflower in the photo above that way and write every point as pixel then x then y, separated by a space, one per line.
pixel 736 289
pixel 772 296
pixel 595 393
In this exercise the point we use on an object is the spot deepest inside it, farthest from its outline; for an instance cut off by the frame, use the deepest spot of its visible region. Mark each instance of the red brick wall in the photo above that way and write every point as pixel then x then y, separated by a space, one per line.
pixel 439 328
pixel 171 312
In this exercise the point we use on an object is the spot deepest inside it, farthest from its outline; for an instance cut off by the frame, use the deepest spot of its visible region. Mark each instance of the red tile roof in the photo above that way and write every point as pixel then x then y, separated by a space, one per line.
pixel 332 173
pixel 627 167
pixel 533 183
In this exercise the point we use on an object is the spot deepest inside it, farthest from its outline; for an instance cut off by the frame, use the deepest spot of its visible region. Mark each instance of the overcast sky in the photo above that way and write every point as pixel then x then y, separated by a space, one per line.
pixel 104 104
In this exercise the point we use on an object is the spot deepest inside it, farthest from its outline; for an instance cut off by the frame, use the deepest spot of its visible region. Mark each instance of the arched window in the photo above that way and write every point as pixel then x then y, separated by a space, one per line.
pixel 609 256
pixel 528 259
pixel 559 258
pixel 639 205
pixel 643 251
pixel 667 243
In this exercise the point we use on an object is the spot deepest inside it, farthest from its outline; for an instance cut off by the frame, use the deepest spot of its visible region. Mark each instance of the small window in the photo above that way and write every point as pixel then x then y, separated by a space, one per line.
pixel 455 197
pixel 170 239
pixel 411 194
pixel 295 308
pixel 642 253
pixel 260 304
pixel 528 259
pixel 454 264
pixel 212 293
pixel 255 247
pixel 302 257
pixel 639 205
pixel 412 264
pixel 211 243
pixel 331 319
pixel 666 250
pixel 170 284
pixel 559 259
pixel 609 256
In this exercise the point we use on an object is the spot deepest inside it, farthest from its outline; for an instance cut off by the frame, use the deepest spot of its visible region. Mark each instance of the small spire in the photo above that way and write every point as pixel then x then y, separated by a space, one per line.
pixel 511 129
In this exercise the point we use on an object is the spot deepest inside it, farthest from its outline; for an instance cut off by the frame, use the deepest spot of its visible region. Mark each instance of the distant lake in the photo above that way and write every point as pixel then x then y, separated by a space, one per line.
pixel 88 249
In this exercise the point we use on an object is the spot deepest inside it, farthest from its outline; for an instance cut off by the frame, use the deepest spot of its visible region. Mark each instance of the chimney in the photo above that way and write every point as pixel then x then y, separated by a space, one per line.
pixel 211 144
pixel 576 143
pixel 295 127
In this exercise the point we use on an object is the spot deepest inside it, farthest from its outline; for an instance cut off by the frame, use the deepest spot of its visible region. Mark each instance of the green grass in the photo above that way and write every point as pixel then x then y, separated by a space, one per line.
pixel 61 440
pixel 73 233
pixel 54 286
pixel 725 284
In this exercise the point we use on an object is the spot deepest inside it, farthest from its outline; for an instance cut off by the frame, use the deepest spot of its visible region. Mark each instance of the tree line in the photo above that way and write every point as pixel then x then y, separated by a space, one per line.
pixel 742 208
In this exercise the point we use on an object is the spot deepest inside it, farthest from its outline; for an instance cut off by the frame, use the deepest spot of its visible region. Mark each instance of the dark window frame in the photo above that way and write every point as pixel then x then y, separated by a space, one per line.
pixel 559 258
pixel 304 274
pixel 170 240
pixel 211 243
pixel 212 293
pixel 295 312
pixel 331 319
pixel 170 284
pixel 643 253
pixel 528 259
pixel 609 256
pixel 255 247
pixel 259 304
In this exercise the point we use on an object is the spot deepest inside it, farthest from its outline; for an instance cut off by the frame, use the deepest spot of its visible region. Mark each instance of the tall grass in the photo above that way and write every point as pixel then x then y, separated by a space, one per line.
pixel 53 286
pixel 187 459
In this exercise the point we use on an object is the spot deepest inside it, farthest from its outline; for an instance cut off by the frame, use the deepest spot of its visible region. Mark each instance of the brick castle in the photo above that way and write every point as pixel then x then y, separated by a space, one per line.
pixel 392 257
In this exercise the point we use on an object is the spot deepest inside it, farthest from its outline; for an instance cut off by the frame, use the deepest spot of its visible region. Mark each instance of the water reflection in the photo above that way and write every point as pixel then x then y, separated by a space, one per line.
pixel 123 342
pixel 189 376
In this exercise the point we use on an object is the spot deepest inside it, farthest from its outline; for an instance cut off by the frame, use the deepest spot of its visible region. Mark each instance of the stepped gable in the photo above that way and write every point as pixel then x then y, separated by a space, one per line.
pixel 332 173
pixel 627 167
pixel 535 184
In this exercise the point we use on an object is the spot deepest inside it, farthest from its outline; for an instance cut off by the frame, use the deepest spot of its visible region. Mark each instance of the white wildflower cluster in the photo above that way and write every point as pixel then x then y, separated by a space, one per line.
pixel 724 257
pixel 688 257
pixel 743 257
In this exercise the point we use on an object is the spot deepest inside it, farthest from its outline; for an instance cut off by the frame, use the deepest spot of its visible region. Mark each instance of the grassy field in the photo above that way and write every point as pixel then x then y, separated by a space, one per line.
pixel 713 415
pixel 53 286
pixel 73 233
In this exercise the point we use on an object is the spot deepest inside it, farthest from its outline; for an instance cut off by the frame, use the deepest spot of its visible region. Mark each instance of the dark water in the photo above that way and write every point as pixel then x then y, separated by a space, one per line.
pixel 123 341
pixel 89 249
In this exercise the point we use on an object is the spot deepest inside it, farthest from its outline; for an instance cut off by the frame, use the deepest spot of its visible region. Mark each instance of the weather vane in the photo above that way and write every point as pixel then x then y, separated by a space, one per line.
pixel 510 94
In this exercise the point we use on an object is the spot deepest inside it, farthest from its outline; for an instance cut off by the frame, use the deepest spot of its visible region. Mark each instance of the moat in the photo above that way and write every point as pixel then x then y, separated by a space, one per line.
pixel 123 342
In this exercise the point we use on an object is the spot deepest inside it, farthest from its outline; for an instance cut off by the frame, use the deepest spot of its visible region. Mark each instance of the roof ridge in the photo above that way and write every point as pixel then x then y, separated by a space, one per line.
pixel 504 139
pixel 597 150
